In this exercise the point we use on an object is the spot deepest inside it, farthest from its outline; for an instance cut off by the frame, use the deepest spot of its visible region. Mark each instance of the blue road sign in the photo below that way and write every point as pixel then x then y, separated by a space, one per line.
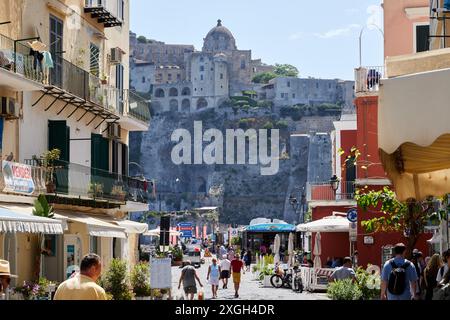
pixel 352 215
pixel 185 229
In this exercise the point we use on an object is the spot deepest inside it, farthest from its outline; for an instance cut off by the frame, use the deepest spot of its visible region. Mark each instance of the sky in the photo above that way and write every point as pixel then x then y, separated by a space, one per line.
pixel 320 38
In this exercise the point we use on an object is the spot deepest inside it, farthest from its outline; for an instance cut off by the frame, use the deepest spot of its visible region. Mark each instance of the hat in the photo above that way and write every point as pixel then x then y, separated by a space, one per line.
pixel 5 270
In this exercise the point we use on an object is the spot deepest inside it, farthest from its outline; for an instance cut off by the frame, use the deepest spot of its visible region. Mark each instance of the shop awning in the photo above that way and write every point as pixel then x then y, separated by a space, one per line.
pixel 271 227
pixel 132 226
pixel 96 226
pixel 16 221
pixel 326 224
pixel 414 133
pixel 156 233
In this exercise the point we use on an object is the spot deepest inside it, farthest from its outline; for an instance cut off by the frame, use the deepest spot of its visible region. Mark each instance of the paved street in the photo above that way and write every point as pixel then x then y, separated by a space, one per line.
pixel 250 289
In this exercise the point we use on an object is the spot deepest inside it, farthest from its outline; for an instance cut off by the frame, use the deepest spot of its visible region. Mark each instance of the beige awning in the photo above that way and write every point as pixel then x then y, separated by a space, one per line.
pixel 96 226
pixel 132 226
pixel 414 133
pixel 21 219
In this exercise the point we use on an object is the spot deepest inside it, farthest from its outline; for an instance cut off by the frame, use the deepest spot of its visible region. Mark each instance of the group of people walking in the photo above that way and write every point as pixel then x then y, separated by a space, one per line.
pixel 229 265
pixel 418 279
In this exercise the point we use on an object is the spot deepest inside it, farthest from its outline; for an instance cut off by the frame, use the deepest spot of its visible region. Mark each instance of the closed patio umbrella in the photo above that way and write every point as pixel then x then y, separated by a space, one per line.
pixel 291 248
pixel 317 251
pixel 276 248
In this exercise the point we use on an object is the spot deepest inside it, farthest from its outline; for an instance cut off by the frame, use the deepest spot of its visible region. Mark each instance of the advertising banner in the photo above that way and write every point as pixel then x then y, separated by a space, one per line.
pixel 17 178
pixel 161 273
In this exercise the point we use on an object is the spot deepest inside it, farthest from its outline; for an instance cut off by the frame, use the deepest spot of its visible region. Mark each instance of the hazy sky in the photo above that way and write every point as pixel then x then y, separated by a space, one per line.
pixel 319 37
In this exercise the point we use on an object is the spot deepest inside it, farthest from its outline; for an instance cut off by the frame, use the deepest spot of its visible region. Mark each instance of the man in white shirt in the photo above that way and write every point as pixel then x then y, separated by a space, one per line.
pixel 225 266
pixel 444 269
pixel 344 272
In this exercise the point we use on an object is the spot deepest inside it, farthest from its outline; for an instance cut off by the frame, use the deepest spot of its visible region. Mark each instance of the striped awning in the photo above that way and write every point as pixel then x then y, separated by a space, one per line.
pixel 16 221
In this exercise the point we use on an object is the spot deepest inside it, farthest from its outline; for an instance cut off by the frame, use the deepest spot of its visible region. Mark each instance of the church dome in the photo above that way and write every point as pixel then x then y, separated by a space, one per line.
pixel 219 39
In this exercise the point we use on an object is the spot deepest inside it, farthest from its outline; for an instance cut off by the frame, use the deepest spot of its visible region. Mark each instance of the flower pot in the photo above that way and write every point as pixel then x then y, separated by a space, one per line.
pixel 266 281
pixel 104 81
pixel 51 187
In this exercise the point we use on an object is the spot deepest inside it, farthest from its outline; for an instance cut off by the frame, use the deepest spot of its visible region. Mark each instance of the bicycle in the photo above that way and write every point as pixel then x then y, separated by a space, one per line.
pixel 298 282
pixel 282 280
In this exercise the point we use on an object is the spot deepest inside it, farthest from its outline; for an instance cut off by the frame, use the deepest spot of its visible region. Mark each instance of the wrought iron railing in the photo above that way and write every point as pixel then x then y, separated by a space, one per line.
pixel 323 191
pixel 76 180
pixel 367 79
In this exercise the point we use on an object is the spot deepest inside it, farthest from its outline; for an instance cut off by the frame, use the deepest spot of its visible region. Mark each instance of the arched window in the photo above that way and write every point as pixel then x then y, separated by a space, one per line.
pixel 173 92
pixel 202 103
pixel 173 105
pixel 160 93
pixel 186 105
pixel 186 92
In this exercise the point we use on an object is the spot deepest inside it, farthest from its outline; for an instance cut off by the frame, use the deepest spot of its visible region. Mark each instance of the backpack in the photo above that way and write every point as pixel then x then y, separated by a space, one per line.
pixel 397 278
pixel 442 293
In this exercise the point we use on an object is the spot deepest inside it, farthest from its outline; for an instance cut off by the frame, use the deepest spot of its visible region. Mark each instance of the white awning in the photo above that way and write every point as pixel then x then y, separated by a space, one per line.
pixel 132 226
pixel 156 233
pixel 326 224
pixel 96 226
pixel 13 220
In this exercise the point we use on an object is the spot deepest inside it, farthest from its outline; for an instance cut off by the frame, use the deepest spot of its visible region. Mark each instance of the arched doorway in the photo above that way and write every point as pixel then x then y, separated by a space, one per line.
pixel 202 103
pixel 173 92
pixel 173 105
pixel 186 105
pixel 159 93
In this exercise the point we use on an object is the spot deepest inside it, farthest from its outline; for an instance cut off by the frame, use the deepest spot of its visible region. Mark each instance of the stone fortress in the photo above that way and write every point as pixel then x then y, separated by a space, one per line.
pixel 181 79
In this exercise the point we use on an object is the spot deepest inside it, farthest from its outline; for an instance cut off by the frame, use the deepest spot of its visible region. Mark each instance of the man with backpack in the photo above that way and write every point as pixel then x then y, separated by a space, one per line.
pixel 399 277
pixel 444 269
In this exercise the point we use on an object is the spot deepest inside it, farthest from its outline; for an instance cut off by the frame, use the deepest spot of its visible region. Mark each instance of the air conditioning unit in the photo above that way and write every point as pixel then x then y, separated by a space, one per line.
pixel 116 56
pixel 8 108
pixel 114 131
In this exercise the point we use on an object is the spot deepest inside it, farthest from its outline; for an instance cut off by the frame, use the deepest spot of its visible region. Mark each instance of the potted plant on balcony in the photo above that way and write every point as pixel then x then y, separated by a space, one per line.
pixel 118 193
pixel 95 189
pixel 104 79
pixel 49 158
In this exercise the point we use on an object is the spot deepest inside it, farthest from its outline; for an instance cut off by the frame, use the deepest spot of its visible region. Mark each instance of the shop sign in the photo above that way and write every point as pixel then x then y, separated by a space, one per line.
pixel 353 232
pixel 368 240
pixel 161 273
pixel 17 178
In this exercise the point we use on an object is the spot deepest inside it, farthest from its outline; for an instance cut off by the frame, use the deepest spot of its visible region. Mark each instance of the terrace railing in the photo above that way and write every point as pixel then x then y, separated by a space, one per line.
pixel 137 106
pixel 367 79
pixel 322 191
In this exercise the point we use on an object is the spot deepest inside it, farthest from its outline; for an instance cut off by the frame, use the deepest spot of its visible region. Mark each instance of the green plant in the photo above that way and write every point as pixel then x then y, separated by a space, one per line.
pixel 95 188
pixel 266 270
pixel 177 254
pixel 42 208
pixel 49 157
pixel 285 70
pixel 264 77
pixel 235 241
pixel 368 284
pixel 116 282
pixel 344 290
pixel 140 280
pixel 118 191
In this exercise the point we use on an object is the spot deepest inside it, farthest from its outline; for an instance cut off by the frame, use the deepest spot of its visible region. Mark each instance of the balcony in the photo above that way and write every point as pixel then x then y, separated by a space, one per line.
pixel 86 186
pixel 107 12
pixel 367 80
pixel 136 116
pixel 322 191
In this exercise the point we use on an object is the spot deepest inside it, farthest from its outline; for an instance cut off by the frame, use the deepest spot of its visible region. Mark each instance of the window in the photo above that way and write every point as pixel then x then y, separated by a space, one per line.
pixel 202 59
pixel 329 86
pixel 221 76
pixel 56 47
pixel 121 10
pixel 289 84
pixel 201 77
pixel 94 66
pixel 202 68
pixel 169 76
pixel 243 64
pixel 422 42
pixel 293 96
pixel 143 79
pixel 317 85
pixel 178 76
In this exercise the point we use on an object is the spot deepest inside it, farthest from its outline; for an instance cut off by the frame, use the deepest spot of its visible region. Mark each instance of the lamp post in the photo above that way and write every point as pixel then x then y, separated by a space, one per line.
pixel 334 183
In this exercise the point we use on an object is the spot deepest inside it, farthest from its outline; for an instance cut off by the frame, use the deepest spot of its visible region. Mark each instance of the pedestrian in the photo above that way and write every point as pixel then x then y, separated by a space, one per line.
pixel 399 277
pixel 430 275
pixel 83 285
pixel 231 254
pixel 248 260
pixel 415 260
pixel 444 269
pixel 225 266
pixel 236 267
pixel 222 251
pixel 344 272
pixel 5 278
pixel 188 277
pixel 355 259
pixel 213 277
pixel 263 249
pixel 443 289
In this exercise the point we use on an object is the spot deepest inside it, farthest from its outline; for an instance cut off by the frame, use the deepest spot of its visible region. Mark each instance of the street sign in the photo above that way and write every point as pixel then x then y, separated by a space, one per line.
pixel 185 229
pixel 353 232
pixel 352 215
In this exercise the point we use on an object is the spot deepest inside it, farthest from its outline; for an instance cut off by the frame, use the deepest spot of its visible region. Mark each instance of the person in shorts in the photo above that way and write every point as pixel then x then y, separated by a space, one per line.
pixel 213 277
pixel 188 277
pixel 225 266
pixel 236 267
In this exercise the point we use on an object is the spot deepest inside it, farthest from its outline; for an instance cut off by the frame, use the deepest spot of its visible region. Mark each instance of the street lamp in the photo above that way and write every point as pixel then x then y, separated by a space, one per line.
pixel 360 39
pixel 334 183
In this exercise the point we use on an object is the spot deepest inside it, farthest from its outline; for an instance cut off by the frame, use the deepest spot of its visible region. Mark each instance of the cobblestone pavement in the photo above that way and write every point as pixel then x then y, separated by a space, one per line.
pixel 250 289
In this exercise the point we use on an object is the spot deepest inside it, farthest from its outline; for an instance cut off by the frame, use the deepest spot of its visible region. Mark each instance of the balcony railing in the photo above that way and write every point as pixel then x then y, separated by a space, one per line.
pixel 78 181
pixel 322 191
pixel 137 106
pixel 367 79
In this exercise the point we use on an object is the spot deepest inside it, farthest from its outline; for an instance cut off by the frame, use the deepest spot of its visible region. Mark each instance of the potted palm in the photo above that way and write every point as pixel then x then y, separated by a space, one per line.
pixel 49 157
pixel 95 189
pixel 140 281
pixel 118 193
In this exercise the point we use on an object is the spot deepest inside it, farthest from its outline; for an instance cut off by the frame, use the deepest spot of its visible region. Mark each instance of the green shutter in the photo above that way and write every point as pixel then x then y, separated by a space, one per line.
pixel 59 138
